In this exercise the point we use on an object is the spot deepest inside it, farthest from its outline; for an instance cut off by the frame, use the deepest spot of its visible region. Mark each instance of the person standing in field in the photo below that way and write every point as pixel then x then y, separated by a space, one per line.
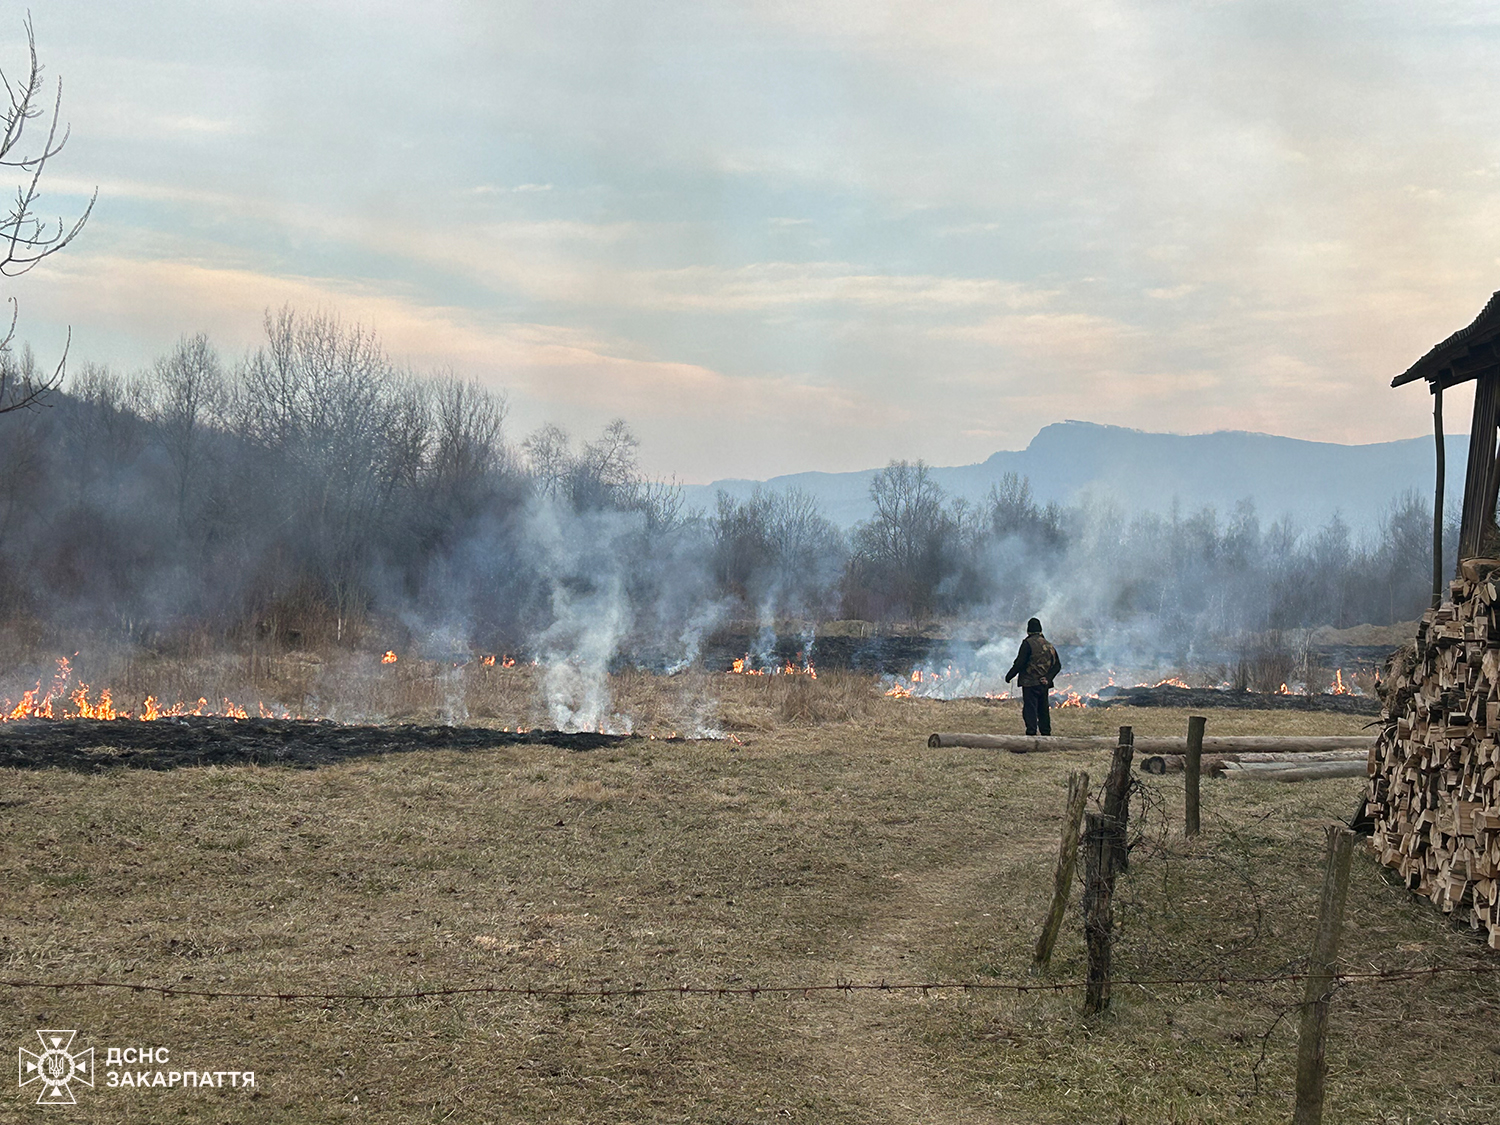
pixel 1036 666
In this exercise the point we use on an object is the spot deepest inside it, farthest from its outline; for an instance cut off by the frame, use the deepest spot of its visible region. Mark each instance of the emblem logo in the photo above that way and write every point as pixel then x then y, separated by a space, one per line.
pixel 56 1067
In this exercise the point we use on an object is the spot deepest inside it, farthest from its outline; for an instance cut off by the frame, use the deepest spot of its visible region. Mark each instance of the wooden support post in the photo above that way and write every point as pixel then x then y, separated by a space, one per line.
pixel 1194 770
pixel 1105 856
pixel 1479 481
pixel 1067 860
pixel 1437 501
pixel 1312 1063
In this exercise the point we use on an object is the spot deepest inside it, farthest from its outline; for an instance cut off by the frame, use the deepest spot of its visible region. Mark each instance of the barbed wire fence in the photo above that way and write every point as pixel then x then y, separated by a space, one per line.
pixel 583 991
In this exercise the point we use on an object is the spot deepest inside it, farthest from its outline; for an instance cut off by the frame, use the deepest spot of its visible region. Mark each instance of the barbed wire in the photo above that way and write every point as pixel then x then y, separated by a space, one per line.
pixel 605 991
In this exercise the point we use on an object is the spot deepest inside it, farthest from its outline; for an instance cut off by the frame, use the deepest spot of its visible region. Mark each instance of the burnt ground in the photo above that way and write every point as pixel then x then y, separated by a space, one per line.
pixel 898 655
pixel 94 745
pixel 1199 698
pixel 888 656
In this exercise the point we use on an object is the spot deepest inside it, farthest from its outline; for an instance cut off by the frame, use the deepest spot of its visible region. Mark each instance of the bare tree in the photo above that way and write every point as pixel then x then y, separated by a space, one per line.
pixel 189 394
pixel 25 237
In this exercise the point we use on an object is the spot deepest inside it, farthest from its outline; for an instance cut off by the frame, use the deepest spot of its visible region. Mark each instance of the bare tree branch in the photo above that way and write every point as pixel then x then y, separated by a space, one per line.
pixel 25 237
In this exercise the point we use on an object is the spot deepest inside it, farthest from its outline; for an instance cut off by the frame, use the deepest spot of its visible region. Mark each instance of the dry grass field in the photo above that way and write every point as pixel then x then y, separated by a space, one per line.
pixel 819 841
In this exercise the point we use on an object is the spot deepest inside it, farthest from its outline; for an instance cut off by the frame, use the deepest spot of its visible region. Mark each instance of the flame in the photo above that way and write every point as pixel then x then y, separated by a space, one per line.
pixel 1339 687
pixel 900 691
pixel 58 702
pixel 388 658
pixel 1072 699
pixel 487 661
pixel 83 709
pixel 1283 690
pixel 1173 682
pixel 743 667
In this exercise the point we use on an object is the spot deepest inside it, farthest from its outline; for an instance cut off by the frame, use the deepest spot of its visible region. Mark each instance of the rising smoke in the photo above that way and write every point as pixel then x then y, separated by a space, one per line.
pixel 313 495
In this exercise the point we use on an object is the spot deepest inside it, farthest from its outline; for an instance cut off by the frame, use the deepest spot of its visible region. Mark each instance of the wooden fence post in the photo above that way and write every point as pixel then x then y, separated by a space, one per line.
pixel 1067 859
pixel 1117 799
pixel 1193 767
pixel 1312 1063
pixel 1098 912
pixel 1105 855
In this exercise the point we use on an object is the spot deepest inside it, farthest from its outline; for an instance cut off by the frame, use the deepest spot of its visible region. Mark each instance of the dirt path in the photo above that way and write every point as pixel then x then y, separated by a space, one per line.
pixel 862 1040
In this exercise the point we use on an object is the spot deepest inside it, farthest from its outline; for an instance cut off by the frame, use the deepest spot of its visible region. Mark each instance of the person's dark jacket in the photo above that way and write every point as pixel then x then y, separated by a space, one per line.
pixel 1037 663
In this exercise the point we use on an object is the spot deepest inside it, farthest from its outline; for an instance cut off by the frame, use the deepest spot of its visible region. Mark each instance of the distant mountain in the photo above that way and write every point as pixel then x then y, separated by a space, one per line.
pixel 1308 480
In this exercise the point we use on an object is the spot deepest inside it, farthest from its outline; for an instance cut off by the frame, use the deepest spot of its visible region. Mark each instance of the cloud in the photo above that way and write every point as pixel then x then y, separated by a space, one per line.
pixel 804 235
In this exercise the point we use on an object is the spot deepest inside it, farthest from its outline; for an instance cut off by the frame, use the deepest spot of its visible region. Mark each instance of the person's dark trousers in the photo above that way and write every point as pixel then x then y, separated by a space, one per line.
pixel 1034 709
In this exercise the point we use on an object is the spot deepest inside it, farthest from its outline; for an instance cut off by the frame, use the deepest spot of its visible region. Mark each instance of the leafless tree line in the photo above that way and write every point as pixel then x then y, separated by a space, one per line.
pixel 312 486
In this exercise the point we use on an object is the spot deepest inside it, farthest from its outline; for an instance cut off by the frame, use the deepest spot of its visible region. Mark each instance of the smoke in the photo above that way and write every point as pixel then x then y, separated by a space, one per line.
pixel 313 497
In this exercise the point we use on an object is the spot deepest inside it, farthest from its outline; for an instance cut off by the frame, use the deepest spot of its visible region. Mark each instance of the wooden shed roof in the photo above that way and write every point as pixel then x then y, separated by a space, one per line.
pixel 1467 354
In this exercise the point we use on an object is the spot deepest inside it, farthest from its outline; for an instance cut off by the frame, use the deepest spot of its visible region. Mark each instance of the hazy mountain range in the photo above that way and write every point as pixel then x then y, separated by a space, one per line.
pixel 1308 480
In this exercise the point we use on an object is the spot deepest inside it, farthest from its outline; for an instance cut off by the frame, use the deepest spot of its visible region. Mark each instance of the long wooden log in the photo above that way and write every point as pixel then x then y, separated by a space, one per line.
pixel 1288 761
pixel 1228 744
pixel 1278 771
pixel 1215 763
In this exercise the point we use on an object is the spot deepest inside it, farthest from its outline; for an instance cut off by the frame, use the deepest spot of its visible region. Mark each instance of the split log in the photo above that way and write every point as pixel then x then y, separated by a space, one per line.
pixel 1228 744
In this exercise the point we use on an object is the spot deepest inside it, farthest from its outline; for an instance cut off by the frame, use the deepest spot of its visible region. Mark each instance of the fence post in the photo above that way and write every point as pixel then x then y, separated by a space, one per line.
pixel 1117 799
pixel 1312 1063
pixel 1098 913
pixel 1067 860
pixel 1193 767
pixel 1105 856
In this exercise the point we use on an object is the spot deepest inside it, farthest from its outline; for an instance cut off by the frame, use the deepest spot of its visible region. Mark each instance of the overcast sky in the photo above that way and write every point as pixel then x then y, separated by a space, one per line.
pixel 815 234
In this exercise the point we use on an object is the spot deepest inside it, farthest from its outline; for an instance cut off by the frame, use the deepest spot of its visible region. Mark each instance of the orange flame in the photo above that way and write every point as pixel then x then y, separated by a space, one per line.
pixel 388 658
pixel 60 703
pixel 1339 687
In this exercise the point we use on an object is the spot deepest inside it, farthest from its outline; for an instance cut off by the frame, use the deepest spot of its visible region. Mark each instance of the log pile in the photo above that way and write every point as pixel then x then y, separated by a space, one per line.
pixel 1434 790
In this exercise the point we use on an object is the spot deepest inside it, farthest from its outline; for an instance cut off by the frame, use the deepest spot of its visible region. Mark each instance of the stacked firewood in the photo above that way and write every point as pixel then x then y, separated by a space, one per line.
pixel 1434 790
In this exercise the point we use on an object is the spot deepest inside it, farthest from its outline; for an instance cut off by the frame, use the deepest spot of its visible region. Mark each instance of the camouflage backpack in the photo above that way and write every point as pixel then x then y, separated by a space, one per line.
pixel 1044 658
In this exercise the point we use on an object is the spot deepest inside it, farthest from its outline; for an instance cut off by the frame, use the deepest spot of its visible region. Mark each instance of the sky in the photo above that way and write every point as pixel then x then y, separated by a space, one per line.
pixel 788 236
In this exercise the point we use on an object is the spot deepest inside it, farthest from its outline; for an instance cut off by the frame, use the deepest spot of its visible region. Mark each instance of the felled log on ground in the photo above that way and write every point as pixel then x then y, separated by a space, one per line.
pixel 1293 771
pixel 1230 744
pixel 1215 763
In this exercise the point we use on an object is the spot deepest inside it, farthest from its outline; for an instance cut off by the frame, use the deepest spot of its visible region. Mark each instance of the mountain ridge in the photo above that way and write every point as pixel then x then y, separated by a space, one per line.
pixel 1144 471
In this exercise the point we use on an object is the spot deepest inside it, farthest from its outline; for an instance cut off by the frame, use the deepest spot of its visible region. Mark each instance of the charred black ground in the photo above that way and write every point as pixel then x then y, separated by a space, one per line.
pixel 1167 696
pixel 94 745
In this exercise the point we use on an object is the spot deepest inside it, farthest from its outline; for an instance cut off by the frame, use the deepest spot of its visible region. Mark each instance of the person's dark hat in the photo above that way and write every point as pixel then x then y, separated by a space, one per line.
pixel 1033 626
